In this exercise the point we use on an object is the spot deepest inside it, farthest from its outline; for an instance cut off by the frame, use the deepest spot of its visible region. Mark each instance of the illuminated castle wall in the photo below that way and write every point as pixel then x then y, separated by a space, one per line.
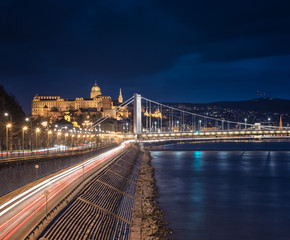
pixel 46 105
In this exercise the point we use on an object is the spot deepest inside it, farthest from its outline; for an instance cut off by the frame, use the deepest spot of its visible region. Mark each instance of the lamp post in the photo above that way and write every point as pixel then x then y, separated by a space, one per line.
pixel 58 140
pixel 9 125
pixel 65 137
pixel 177 125
pixel 8 115
pixel 73 141
pixel 36 170
pixel 23 131
pixel 199 125
pixel 36 134
pixel 45 193
pixel 127 127
pixel 246 123
pixel 78 140
pixel 48 133
pixel 30 135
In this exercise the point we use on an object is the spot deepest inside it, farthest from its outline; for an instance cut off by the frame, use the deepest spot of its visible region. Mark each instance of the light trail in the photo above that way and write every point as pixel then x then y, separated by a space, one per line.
pixel 16 212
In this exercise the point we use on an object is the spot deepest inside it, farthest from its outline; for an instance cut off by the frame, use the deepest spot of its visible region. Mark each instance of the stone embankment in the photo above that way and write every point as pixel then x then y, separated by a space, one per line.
pixel 148 222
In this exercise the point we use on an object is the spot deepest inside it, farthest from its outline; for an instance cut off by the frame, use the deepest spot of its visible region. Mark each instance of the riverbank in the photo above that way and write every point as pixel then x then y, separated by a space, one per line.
pixel 148 222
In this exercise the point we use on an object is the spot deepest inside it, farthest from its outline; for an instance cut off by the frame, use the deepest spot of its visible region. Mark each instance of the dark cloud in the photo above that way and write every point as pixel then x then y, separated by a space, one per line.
pixel 201 45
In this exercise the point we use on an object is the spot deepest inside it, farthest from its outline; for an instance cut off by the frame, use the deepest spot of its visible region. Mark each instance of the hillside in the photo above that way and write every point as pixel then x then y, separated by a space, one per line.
pixel 273 105
pixel 9 104
pixel 263 105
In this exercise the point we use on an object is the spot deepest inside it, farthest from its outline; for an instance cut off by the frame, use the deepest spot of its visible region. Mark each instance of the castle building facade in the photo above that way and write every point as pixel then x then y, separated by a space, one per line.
pixel 51 106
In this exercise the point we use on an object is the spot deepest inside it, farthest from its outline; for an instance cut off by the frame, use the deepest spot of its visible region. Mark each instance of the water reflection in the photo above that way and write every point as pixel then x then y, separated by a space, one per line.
pixel 197 160
pixel 225 194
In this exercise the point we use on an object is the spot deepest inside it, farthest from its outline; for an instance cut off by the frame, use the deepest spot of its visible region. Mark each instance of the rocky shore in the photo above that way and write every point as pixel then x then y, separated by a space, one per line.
pixel 148 222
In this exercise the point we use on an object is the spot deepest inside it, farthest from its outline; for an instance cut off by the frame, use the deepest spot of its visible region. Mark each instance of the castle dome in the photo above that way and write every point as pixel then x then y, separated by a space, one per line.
pixel 96 91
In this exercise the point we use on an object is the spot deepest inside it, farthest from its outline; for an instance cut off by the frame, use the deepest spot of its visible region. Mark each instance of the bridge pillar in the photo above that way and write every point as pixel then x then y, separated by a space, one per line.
pixel 137 114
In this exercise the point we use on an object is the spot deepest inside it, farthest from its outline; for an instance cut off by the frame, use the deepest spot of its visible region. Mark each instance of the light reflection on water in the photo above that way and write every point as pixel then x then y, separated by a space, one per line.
pixel 225 194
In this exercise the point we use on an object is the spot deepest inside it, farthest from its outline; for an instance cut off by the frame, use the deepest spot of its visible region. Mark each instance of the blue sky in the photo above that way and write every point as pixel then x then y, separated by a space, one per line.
pixel 185 51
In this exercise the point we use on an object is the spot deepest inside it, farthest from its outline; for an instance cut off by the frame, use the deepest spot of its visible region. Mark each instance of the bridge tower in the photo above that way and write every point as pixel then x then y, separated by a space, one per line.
pixel 137 114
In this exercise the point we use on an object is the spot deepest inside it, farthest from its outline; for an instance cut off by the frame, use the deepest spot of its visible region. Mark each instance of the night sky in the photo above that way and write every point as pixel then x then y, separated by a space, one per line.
pixel 185 51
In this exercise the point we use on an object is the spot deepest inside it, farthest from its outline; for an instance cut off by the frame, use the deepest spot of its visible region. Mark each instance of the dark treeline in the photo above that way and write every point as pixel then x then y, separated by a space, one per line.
pixel 9 104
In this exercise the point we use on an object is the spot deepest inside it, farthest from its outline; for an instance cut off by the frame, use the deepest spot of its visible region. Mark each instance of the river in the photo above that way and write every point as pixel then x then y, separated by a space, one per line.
pixel 225 190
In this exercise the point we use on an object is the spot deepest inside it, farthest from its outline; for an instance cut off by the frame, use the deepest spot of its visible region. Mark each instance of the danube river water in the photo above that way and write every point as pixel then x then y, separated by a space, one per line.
pixel 239 192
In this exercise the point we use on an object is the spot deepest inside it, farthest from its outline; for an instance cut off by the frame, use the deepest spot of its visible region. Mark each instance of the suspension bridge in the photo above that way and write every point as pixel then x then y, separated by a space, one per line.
pixel 154 120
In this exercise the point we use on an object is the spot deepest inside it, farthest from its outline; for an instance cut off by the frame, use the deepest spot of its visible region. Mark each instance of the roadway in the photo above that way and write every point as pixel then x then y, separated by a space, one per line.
pixel 21 210
pixel 41 153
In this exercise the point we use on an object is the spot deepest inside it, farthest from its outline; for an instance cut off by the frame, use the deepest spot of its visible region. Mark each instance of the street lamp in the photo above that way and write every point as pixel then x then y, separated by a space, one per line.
pixel 23 130
pixel 73 142
pixel 48 133
pixel 269 120
pixel 8 115
pixel 9 125
pixel 58 139
pixel 246 124
pixel 65 137
pixel 199 125
pixel 30 135
pixel 36 133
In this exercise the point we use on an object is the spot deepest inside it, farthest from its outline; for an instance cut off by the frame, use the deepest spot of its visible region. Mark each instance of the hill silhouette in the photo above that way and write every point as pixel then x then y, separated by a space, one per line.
pixel 9 104
pixel 263 105
pixel 273 105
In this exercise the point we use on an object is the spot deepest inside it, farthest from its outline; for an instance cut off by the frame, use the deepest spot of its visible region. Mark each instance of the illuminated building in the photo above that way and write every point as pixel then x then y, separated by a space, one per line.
pixel 56 107
pixel 156 114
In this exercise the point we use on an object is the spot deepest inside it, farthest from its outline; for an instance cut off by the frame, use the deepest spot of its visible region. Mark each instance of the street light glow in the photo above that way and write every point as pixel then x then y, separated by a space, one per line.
pixel 9 125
